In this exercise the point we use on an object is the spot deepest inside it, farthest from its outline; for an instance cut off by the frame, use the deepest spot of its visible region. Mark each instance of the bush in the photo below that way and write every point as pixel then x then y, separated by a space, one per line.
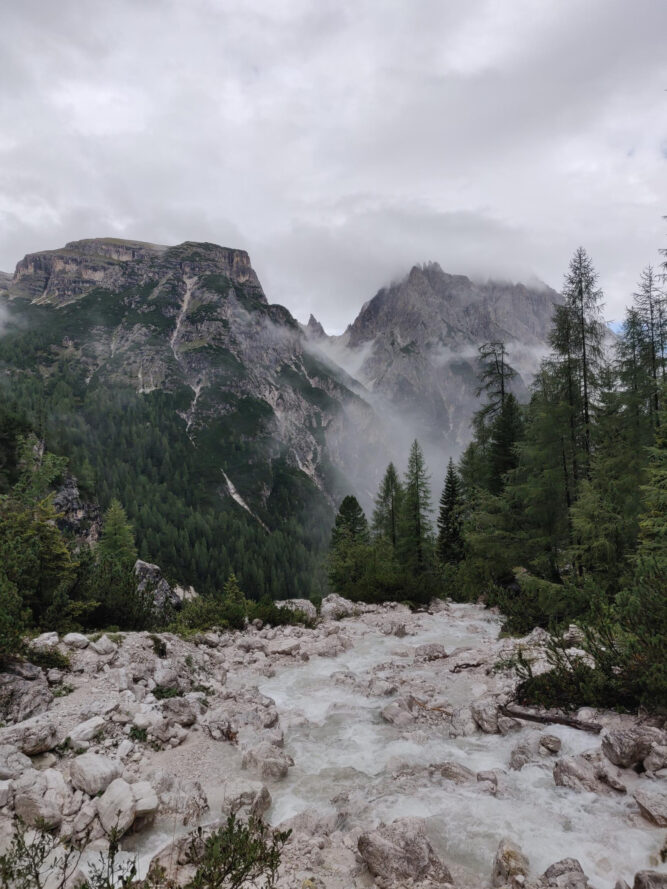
pixel 205 612
pixel 163 692
pixel 48 658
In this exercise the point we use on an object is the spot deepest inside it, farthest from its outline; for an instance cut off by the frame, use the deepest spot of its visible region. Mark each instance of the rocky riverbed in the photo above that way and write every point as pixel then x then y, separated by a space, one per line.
pixel 378 737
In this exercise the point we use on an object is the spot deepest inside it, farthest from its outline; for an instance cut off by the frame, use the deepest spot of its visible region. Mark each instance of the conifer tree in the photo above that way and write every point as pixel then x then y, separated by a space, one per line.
pixel 505 434
pixel 232 592
pixel 450 519
pixel 583 302
pixel 415 538
pixel 495 376
pixel 117 540
pixel 350 523
pixel 387 507
pixel 350 549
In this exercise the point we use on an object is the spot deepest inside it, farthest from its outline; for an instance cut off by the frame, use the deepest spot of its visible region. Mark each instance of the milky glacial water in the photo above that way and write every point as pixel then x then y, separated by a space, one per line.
pixel 344 753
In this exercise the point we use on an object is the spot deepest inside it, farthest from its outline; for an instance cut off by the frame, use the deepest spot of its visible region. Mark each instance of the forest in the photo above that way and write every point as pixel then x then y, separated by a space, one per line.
pixel 556 512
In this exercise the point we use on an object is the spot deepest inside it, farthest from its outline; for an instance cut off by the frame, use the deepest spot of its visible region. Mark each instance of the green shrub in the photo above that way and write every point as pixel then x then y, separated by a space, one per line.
pixel 269 612
pixel 48 658
pixel 12 619
pixel 205 612
pixel 163 692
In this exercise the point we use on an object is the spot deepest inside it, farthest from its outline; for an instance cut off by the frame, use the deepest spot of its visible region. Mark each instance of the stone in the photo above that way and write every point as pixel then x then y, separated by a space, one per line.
pixel 485 714
pixel 182 711
pixel 284 648
pixel 12 762
pixel 35 735
pixel 22 697
pixel 87 730
pixel 93 772
pixel 335 607
pixel 550 744
pixel 245 798
pixel 628 747
pixel 6 793
pixel 587 772
pixel 305 606
pixel 46 640
pixel 510 866
pixel 116 808
pixel 145 800
pixel 657 758
pixel 453 771
pixel 104 646
pixel 150 579
pixel 402 851
pixel 652 805
pixel 431 651
pixel 269 761
pixel 565 874
pixel 76 640
pixel 41 797
pixel 650 879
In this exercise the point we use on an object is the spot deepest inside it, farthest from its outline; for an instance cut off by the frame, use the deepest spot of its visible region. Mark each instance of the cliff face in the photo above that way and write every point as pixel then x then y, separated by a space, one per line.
pixel 414 345
pixel 193 321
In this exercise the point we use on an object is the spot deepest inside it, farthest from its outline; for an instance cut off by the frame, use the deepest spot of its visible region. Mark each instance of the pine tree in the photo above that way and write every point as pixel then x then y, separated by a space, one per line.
pixel 415 538
pixel 117 540
pixel 506 432
pixel 583 301
pixel 350 523
pixel 387 507
pixel 232 593
pixel 450 519
pixel 650 308
pixel 495 376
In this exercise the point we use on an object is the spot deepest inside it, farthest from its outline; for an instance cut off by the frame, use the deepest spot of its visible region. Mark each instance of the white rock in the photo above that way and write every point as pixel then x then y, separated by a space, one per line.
pixel 87 730
pixel 46 640
pixel 116 808
pixel 76 640
pixel 92 772
pixel 401 851
pixel 305 606
pixel 104 646
pixel 32 736
pixel 12 761
pixel 335 607
pixel 145 799
pixel 267 760
pixel 6 792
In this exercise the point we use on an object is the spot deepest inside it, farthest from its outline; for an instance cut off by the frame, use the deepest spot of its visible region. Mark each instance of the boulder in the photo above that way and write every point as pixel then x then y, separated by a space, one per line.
pixel 41 797
pixel 335 607
pixel 182 711
pixel 6 793
pixel 145 801
pixel 23 696
pixel 588 771
pixel 36 735
pixel 564 874
pixel 46 640
pixel 284 648
pixel 630 746
pixel 305 606
pixel 400 712
pixel 12 762
pixel 510 866
pixel 650 879
pixel 267 760
pixel 657 758
pixel 485 714
pixel 550 744
pixel 653 806
pixel 93 772
pixel 245 798
pixel 76 640
pixel 402 851
pixel 104 646
pixel 431 651
pixel 87 730
pixel 150 579
pixel 453 771
pixel 116 808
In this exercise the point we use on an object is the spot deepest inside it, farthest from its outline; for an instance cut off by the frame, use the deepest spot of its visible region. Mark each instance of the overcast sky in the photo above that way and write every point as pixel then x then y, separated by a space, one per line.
pixel 341 142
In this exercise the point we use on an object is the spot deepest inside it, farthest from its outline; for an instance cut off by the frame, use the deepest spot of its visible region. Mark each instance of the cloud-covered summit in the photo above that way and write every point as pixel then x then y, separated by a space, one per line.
pixel 341 142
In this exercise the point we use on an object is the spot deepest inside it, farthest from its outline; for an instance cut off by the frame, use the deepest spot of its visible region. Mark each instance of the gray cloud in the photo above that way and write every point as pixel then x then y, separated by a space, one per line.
pixel 341 142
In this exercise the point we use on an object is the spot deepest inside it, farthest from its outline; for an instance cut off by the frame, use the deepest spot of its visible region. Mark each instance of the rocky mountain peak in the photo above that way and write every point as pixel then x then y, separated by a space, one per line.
pixel 60 276
pixel 314 329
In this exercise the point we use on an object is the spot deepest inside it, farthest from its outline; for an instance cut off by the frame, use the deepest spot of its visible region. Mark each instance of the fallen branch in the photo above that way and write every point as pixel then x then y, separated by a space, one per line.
pixel 551 719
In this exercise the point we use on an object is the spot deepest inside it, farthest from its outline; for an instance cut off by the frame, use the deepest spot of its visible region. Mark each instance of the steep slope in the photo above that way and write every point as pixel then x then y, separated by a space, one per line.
pixel 168 371
pixel 414 346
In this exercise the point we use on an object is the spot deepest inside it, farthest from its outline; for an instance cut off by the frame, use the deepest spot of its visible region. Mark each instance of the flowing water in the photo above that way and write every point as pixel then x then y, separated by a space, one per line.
pixel 344 752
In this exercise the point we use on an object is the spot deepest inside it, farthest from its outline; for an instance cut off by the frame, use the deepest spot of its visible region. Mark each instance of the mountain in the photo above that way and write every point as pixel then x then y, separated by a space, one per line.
pixel 414 347
pixel 165 374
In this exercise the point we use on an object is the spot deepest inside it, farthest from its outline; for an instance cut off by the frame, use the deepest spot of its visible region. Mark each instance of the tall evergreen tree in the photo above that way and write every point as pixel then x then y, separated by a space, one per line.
pixel 495 376
pixel 450 519
pixel 650 308
pixel 387 506
pixel 583 302
pixel 117 540
pixel 505 434
pixel 350 550
pixel 415 539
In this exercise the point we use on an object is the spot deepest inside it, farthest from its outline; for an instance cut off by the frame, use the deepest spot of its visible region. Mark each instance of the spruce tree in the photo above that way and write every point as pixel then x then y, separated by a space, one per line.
pixel 350 550
pixel 415 540
pixel 350 524
pixel 450 519
pixel 506 432
pixel 495 376
pixel 117 540
pixel 232 592
pixel 387 507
